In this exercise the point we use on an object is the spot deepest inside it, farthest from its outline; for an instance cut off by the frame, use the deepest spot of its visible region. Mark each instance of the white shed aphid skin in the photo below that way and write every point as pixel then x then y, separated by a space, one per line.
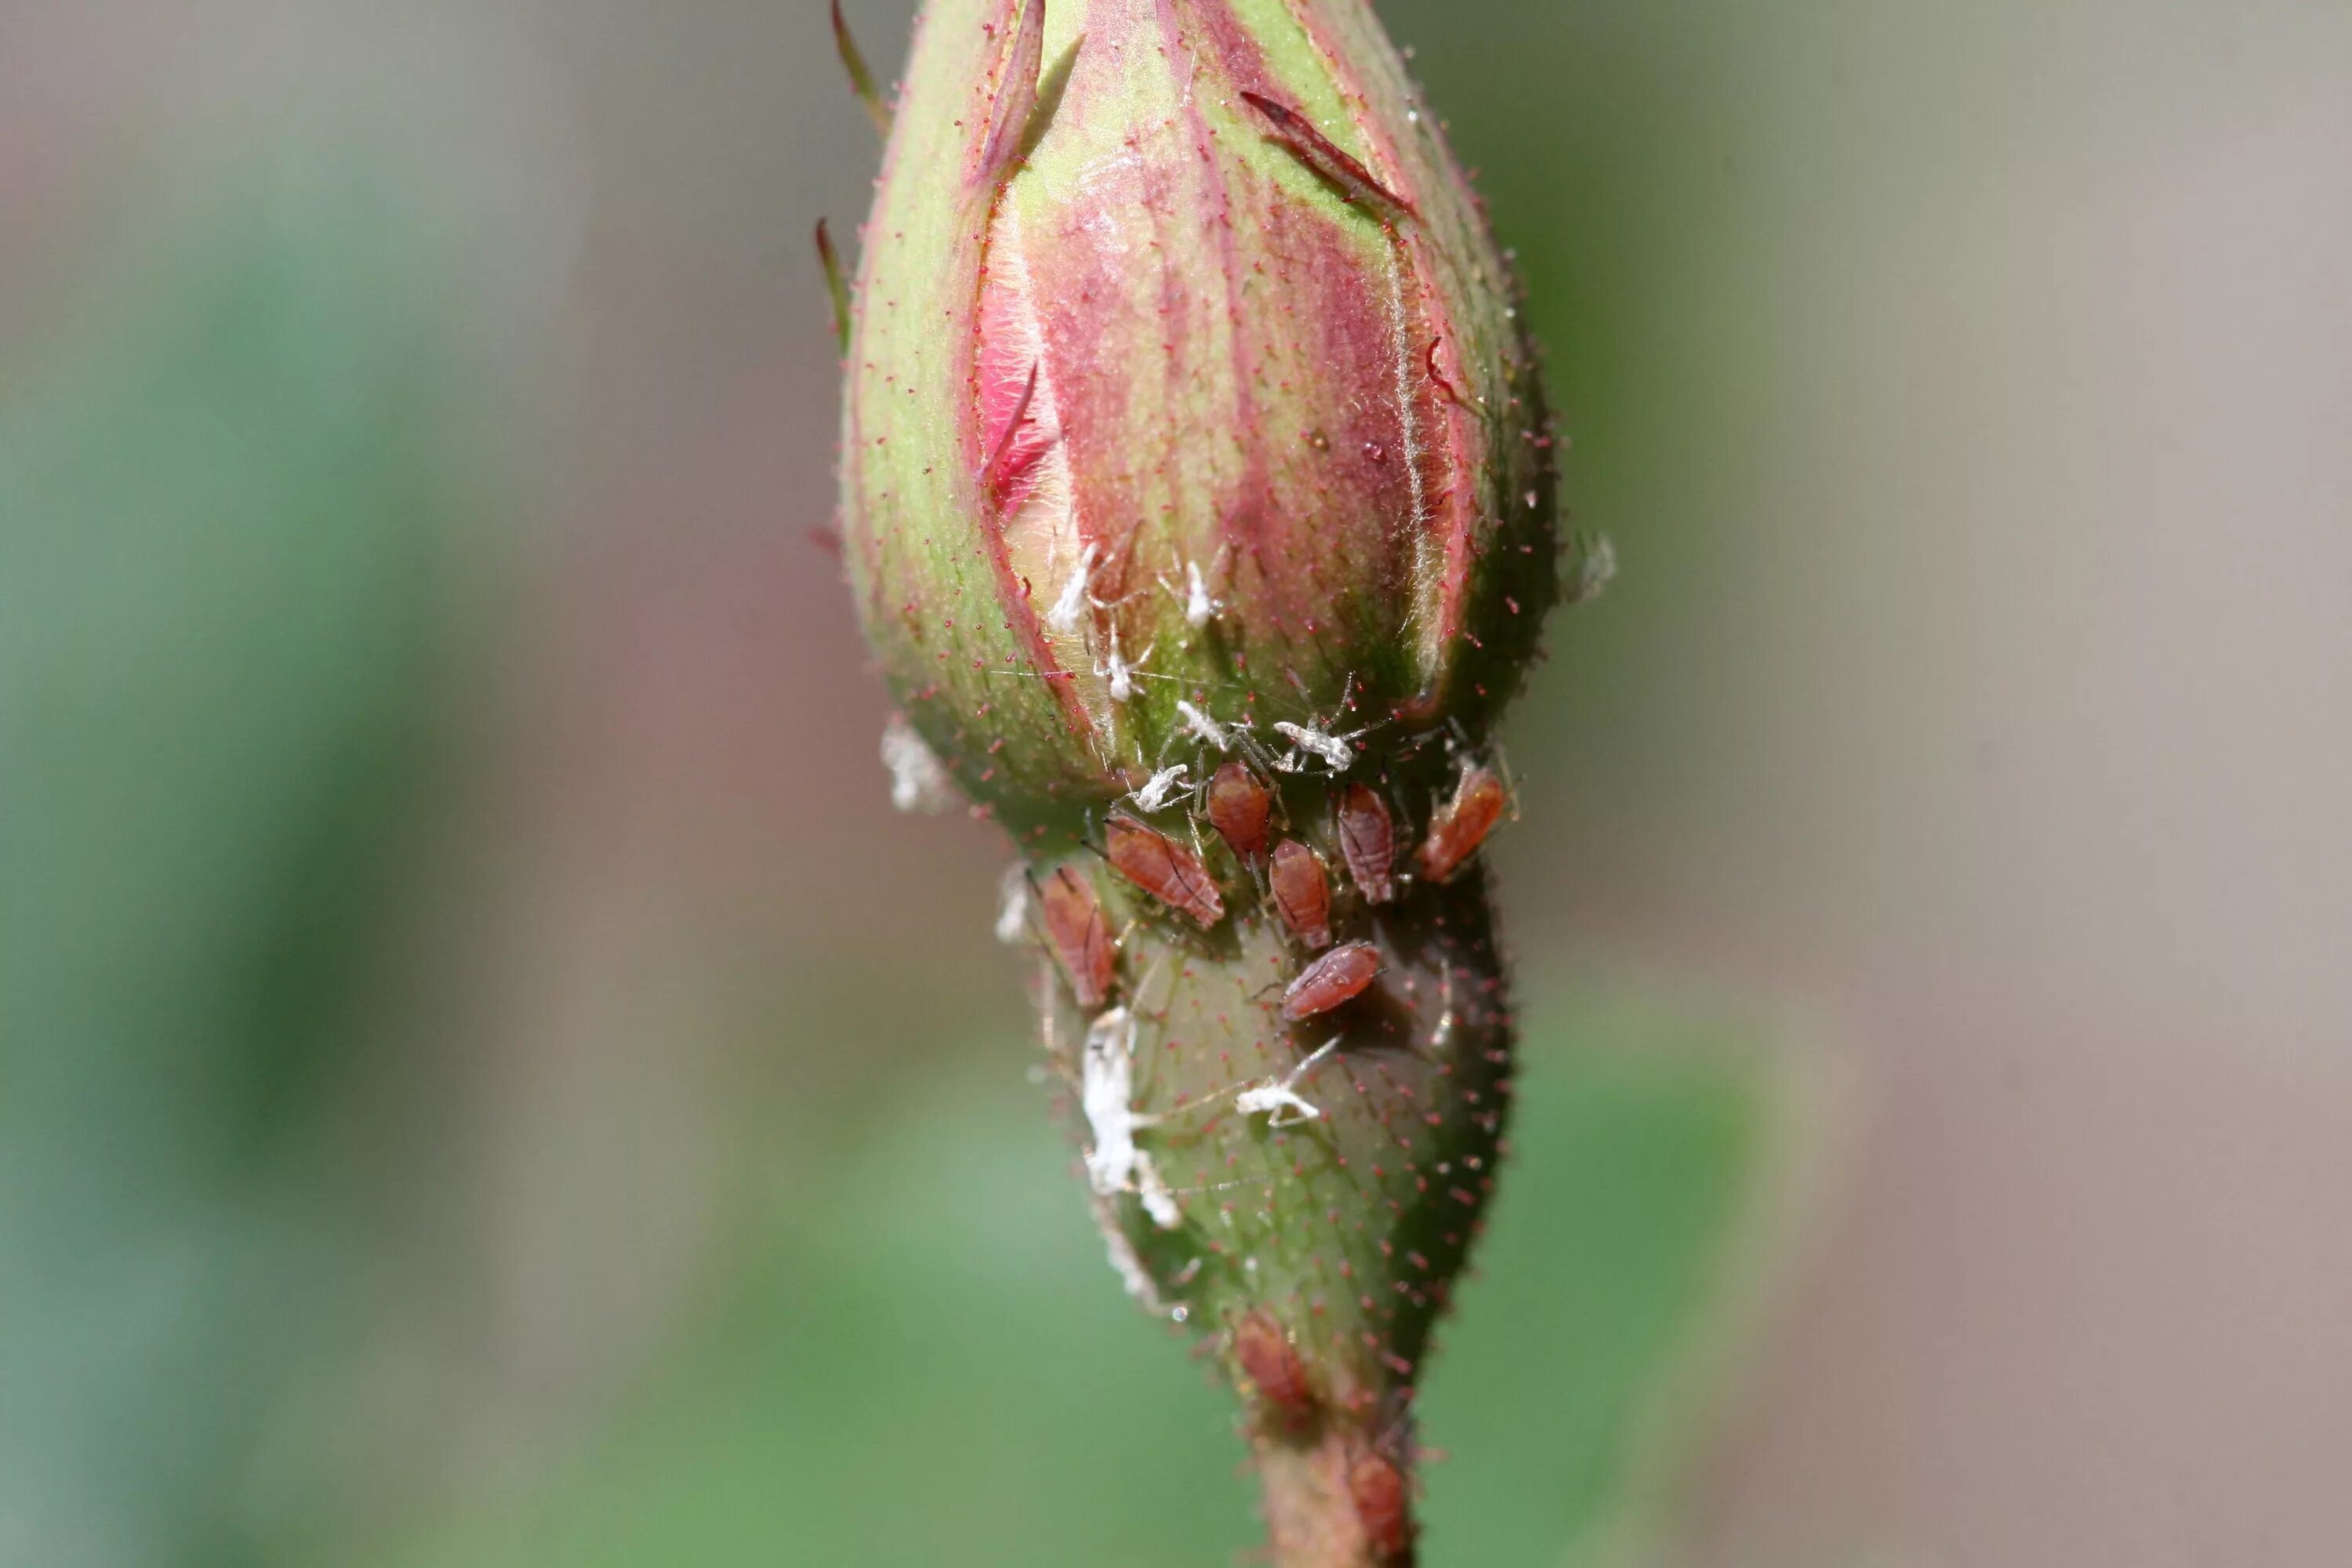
pixel 1013 905
pixel 1278 1100
pixel 1336 752
pixel 1164 789
pixel 1595 569
pixel 1070 606
pixel 1200 727
pixel 918 781
pixel 1199 608
pixel 1105 1094
pixel 1130 1266
pixel 1122 675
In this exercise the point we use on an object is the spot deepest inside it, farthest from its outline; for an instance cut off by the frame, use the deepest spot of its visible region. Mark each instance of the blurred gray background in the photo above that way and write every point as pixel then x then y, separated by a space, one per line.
pixel 415 417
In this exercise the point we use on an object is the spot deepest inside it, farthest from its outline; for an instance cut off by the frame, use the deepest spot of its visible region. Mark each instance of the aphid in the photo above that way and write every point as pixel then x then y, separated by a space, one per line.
pixel 1377 1487
pixel 1336 752
pixel 1070 605
pixel 1162 789
pixel 1073 921
pixel 1317 152
pixel 1460 826
pixel 1106 1092
pixel 1302 893
pixel 1239 809
pixel 1278 1100
pixel 1367 843
pixel 1274 1369
pixel 918 781
pixel 1340 975
pixel 1166 869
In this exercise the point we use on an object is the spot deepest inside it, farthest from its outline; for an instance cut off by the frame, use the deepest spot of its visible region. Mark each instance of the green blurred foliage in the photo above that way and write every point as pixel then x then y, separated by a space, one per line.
pixel 217 687
pixel 918 1354
pixel 228 643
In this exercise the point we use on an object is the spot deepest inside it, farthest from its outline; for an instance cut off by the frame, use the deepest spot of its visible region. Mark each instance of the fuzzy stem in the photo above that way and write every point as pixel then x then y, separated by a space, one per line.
pixel 1312 1514
pixel 1300 1191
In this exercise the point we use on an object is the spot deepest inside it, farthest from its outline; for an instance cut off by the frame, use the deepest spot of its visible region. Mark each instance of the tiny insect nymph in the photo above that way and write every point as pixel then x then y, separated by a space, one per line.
pixel 1367 843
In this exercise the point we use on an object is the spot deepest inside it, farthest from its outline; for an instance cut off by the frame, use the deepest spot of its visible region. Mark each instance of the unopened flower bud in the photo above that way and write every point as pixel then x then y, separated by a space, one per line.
pixel 1198 502
pixel 1185 373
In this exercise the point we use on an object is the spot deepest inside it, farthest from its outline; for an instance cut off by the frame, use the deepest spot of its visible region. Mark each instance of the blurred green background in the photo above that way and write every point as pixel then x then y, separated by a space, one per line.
pixel 485 1080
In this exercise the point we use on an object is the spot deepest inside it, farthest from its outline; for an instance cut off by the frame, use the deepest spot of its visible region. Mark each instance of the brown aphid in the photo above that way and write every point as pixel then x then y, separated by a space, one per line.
pixel 1240 807
pixel 1383 1504
pixel 1302 893
pixel 1367 843
pixel 1339 977
pixel 1274 1369
pixel 1081 936
pixel 1461 825
pixel 1166 869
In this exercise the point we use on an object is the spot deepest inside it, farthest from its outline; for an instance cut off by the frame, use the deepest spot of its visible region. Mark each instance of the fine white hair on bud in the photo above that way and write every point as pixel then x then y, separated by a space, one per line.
pixel 919 782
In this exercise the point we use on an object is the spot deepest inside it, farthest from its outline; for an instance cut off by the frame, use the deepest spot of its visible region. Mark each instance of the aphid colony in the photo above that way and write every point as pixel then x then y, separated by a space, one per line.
pixel 1292 881
pixel 1240 809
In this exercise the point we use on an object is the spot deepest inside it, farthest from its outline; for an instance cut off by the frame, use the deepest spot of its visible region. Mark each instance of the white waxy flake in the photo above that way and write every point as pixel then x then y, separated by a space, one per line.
pixel 1105 1090
pixel 1070 606
pixel 1596 568
pixel 1199 608
pixel 1162 789
pixel 1335 751
pixel 918 781
pixel 1200 727
pixel 1131 1272
pixel 1012 907
pixel 1278 1100
pixel 1121 675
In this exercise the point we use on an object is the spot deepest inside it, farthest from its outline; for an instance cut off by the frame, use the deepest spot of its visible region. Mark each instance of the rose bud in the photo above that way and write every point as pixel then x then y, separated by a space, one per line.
pixel 1196 481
